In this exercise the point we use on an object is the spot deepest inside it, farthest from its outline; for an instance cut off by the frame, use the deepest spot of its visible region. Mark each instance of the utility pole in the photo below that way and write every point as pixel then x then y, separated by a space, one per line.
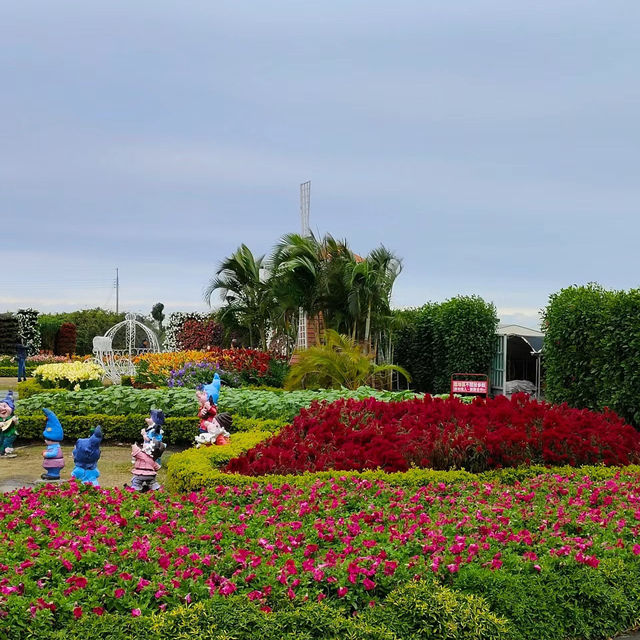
pixel 117 291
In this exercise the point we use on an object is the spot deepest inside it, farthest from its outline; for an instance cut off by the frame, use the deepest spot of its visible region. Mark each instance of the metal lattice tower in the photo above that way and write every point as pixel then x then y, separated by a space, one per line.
pixel 305 202
pixel 305 205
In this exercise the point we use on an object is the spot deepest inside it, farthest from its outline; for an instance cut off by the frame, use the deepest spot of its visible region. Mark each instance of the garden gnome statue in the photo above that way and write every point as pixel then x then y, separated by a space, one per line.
pixel 145 466
pixel 153 431
pixel 86 454
pixel 8 426
pixel 208 398
pixel 217 431
pixel 53 436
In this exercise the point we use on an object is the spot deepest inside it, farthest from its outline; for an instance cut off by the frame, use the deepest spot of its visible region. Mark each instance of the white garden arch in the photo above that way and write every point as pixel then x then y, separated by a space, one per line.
pixel 118 363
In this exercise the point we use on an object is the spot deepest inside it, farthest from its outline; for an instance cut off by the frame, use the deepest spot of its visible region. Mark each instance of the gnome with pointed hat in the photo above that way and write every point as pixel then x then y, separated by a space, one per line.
pixel 153 432
pixel 53 436
pixel 8 426
pixel 86 454
pixel 208 398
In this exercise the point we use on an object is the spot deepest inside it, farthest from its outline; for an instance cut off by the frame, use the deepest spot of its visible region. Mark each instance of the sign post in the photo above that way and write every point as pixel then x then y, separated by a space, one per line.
pixel 476 383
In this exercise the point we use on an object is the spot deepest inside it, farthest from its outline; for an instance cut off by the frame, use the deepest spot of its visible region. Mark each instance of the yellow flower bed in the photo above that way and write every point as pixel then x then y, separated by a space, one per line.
pixel 68 374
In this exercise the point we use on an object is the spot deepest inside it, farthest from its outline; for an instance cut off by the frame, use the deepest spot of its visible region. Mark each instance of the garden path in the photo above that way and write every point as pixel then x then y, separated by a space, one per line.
pixel 114 465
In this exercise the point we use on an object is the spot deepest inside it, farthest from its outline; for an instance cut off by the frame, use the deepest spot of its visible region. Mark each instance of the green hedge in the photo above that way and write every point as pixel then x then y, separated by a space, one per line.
pixel 12 372
pixel 194 468
pixel 31 387
pixel 127 428
pixel 592 349
pixel 180 478
pixel 573 602
pixel 456 336
pixel 410 612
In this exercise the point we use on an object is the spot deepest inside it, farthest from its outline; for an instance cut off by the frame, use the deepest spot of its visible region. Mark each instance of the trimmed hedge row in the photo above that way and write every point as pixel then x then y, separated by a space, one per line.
pixel 412 611
pixel 12 372
pixel 127 428
pixel 439 339
pixel 195 469
pixel 592 349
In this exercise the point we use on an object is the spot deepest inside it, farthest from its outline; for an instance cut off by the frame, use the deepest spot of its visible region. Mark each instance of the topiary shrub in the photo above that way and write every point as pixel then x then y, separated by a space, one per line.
pixel 592 349
pixel 9 329
pixel 437 340
pixel 66 340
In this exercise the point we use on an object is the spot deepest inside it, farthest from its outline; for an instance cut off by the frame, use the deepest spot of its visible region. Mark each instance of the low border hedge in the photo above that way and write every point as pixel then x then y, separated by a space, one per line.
pixel 127 428
pixel 192 468
pixel 12 372
pixel 182 475
pixel 414 610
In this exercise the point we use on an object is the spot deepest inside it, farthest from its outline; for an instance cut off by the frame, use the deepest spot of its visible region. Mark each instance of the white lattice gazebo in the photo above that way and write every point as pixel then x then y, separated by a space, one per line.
pixel 118 363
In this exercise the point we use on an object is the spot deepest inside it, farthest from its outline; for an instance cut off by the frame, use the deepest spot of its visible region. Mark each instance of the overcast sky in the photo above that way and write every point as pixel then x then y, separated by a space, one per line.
pixel 493 145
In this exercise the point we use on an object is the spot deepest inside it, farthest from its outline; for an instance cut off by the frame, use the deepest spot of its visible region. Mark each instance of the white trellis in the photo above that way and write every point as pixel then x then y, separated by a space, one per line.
pixel 118 363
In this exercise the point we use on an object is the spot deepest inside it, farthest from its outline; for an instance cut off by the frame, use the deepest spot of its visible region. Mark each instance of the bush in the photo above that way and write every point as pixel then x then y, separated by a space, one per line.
pixel 126 428
pixel 89 323
pixel 32 387
pixel 8 333
pixel 49 327
pixel 190 469
pixel 431 611
pixel 441 434
pixel 592 349
pixel 199 334
pixel 437 340
pixel 29 330
pixel 12 372
pixel 66 339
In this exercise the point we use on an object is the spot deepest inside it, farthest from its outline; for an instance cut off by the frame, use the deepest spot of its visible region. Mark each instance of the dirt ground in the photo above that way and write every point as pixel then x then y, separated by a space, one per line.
pixel 25 470
pixel 114 466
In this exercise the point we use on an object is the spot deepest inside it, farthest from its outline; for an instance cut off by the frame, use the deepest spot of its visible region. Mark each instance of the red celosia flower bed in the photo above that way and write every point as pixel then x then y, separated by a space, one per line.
pixel 441 434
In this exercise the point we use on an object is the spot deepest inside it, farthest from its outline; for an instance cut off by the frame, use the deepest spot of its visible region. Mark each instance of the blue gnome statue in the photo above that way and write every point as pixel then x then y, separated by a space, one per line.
pixel 8 426
pixel 86 454
pixel 153 432
pixel 53 436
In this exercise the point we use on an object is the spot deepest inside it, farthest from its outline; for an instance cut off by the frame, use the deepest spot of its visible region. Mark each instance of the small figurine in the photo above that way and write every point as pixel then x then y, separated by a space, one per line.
pixel 8 426
pixel 86 454
pixel 153 430
pixel 208 398
pixel 217 431
pixel 53 436
pixel 145 466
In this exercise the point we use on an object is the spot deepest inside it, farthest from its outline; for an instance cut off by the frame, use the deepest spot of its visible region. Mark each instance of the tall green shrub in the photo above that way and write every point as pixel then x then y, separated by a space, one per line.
pixel 89 323
pixel 49 326
pixel 592 349
pixel 8 334
pixel 466 328
pixel 456 336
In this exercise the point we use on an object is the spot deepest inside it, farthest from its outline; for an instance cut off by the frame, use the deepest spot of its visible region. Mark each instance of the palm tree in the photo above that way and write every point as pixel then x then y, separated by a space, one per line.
pixel 370 283
pixel 247 295
pixel 338 363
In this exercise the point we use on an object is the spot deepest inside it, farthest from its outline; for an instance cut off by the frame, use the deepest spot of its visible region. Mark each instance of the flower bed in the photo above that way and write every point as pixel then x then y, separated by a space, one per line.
pixel 551 555
pixel 252 403
pixel 251 365
pixel 69 375
pixel 441 434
